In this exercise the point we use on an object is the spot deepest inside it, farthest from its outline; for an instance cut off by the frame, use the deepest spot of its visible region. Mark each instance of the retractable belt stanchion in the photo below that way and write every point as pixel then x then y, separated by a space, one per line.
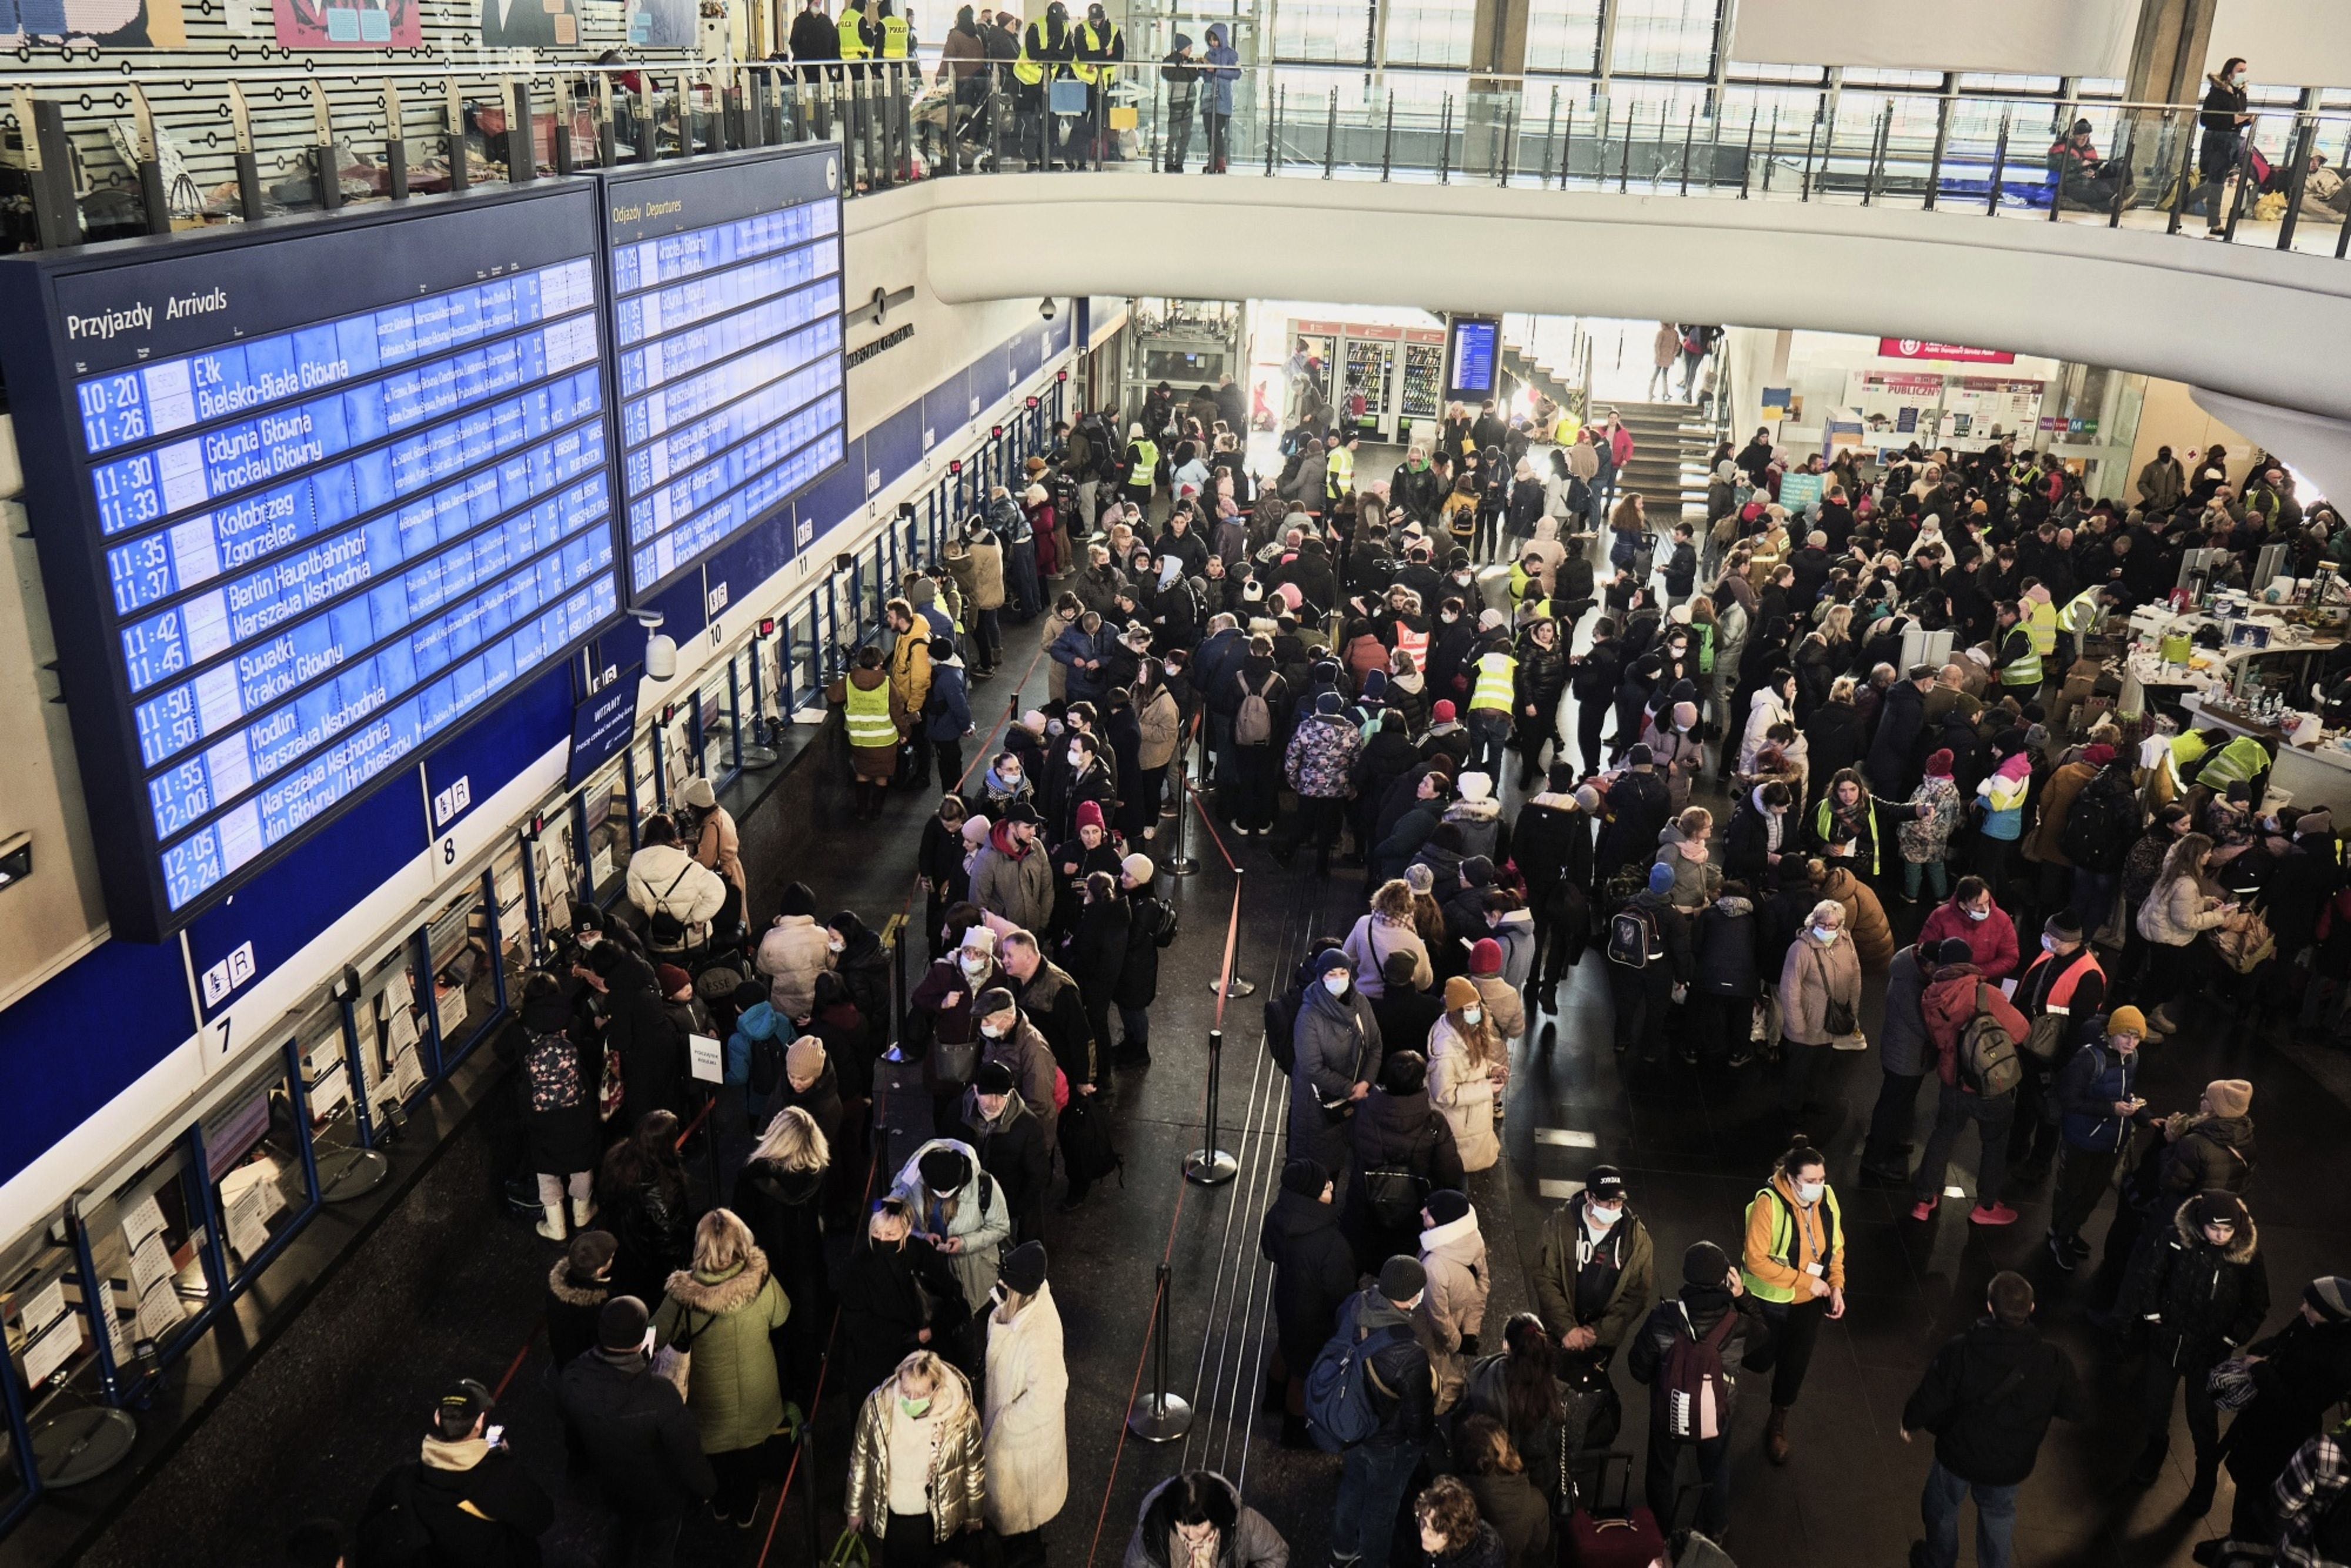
pixel 1181 862
pixel 1209 1165
pixel 1160 1417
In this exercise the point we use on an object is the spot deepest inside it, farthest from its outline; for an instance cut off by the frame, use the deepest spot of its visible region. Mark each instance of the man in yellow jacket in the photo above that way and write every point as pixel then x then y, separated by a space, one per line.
pixel 910 682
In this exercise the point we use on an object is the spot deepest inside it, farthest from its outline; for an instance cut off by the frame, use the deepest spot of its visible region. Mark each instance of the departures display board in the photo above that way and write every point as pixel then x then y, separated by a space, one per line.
pixel 726 335
pixel 309 496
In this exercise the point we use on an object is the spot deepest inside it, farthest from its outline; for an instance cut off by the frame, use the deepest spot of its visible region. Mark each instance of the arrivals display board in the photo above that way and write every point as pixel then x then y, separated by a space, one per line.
pixel 726 337
pixel 309 497
pixel 1474 353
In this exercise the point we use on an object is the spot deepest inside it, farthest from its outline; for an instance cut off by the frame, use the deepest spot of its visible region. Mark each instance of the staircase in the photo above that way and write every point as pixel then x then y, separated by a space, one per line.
pixel 1671 443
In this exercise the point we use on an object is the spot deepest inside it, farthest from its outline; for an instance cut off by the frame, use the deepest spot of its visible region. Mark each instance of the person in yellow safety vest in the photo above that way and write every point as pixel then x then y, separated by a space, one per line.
pixel 897 34
pixel 1101 46
pixel 858 37
pixel 1339 472
pixel 1492 698
pixel 1142 466
pixel 872 733
pixel 1047 44
pixel 2086 611
pixel 2243 760
pixel 2019 661
pixel 2040 617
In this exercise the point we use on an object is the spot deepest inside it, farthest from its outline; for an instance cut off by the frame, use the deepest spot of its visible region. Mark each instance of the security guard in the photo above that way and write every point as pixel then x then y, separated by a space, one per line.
pixel 1339 472
pixel 1100 48
pixel 895 40
pixel 1048 48
pixel 2019 661
pixel 858 38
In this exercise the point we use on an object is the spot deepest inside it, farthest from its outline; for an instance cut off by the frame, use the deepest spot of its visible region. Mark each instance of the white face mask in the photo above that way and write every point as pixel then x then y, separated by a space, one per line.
pixel 836 945
pixel 1471 1015
pixel 1810 1191
pixel 1335 982
pixel 1010 775
pixel 1077 757
pixel 1602 1218
pixel 1980 914
pixel 1827 935
pixel 2048 944
pixel 973 964
pixel 991 1031
pixel 588 939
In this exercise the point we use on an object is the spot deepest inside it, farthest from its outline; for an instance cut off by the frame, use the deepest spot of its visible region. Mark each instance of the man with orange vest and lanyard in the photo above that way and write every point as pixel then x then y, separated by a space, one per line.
pixel 2063 988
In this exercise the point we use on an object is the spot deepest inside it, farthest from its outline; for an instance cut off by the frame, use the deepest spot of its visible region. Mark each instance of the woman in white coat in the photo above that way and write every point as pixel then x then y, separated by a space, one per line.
pixel 1026 1433
pixel 1468 1066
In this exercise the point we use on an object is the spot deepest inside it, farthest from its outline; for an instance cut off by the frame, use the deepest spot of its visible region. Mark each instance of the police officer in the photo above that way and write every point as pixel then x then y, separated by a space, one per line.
pixel 895 41
pixel 858 38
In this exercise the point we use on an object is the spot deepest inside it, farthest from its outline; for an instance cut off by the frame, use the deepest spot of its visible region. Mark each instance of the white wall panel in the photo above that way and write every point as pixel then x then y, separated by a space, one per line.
pixel 2073 37
pixel 2296 43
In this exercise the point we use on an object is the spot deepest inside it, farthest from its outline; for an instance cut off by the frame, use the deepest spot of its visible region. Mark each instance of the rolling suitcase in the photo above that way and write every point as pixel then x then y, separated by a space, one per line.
pixel 1600 1536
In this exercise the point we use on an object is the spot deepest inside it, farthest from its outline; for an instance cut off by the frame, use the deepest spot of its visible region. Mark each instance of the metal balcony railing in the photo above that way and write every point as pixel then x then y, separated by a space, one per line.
pixel 107 153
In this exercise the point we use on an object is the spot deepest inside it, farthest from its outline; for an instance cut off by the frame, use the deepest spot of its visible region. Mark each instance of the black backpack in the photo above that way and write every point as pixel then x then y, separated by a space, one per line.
pixel 1083 1132
pixel 766 1065
pixel 2100 827
pixel 667 929
pixel 1281 1026
pixel 395 1535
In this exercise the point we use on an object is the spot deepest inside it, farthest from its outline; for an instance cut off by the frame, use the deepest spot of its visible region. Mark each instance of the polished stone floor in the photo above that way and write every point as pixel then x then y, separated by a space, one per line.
pixel 1695 1147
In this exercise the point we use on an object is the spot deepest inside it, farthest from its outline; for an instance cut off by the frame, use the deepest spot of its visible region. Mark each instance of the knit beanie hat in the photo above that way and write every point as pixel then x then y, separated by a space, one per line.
pixel 1441 711
pixel 1661 878
pixel 1938 762
pixel 2217 1207
pixel 1305 1177
pixel 1090 814
pixel 2229 1096
pixel 1328 959
pixel 1402 1279
pixel 1330 703
pixel 1445 1205
pixel 1024 1267
pixel 1460 991
pixel 2127 1020
pixel 673 979
pixel 1704 1264
pixel 2330 1297
pixel 1420 877
pixel 1686 716
pixel 1139 867
pixel 1486 958
pixel 804 1057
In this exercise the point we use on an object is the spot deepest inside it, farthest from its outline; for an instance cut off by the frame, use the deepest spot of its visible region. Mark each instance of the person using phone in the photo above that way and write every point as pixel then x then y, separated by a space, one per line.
pixel 2097 1102
pixel 465 1488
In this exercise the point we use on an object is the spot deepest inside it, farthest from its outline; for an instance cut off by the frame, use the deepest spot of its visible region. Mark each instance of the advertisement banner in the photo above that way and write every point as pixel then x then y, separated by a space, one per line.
pixel 348 24
pixel 1916 349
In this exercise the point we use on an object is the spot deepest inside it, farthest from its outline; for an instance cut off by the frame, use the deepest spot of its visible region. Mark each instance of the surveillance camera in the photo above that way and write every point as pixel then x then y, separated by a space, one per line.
pixel 1046 308
pixel 661 657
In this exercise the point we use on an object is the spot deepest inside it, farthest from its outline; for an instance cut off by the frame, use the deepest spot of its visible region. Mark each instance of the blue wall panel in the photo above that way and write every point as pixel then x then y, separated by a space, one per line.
pixel 312 888
pixel 946 407
pixel 85 1036
pixel 895 445
pixel 516 732
pixel 749 560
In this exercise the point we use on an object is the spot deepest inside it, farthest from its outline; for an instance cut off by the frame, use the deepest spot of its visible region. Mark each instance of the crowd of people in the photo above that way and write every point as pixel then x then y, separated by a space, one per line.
pixel 1371 669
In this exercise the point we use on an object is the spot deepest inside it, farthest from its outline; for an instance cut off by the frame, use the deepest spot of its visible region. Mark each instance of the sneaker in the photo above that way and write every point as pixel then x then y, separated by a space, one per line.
pixel 1998 1213
pixel 2061 1252
pixel 1923 1208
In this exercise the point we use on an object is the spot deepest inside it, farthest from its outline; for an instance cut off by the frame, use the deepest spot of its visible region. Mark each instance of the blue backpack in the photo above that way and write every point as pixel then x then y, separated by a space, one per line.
pixel 1339 1410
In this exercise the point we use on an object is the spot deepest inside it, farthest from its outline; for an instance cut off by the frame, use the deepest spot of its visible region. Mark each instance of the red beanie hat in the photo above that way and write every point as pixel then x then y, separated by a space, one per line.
pixel 1090 814
pixel 1486 956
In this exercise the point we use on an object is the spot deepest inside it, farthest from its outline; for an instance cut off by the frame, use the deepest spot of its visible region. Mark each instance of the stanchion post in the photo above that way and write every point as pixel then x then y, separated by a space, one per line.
pixel 1209 1165
pixel 1232 985
pixel 1160 1417
pixel 1181 862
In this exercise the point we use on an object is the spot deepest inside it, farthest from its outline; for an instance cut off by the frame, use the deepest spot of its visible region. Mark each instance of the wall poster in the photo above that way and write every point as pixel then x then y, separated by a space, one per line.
pixel 349 24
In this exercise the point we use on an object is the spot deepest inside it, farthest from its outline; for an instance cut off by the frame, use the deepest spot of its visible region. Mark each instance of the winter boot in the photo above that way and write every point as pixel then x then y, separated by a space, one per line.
pixel 1775 1436
pixel 583 1209
pixel 553 1226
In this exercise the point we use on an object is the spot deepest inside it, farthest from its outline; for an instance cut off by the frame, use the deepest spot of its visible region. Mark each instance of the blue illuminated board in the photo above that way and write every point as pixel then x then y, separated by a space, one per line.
pixel 310 499
pixel 727 318
pixel 1475 354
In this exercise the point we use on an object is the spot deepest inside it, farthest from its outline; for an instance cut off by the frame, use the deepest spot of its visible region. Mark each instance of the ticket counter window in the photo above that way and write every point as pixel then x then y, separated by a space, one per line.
pixel 468 990
pixel 257 1161
pixel 610 833
pixel 395 1046
pixel 147 1274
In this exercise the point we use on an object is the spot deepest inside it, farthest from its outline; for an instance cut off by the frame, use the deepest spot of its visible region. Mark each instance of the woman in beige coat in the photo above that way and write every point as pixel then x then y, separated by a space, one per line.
pixel 1468 1066
pixel 1026 1429
pixel 717 843
pixel 1822 972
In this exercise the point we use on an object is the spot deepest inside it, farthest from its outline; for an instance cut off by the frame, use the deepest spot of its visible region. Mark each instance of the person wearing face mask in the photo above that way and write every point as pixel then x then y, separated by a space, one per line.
pixel 1313 1275
pixel 1714 1311
pixel 2061 988
pixel 1452 1312
pixel 917 1466
pixel 1468 1069
pixel 1335 1054
pixel 1010 1039
pixel 1197 1519
pixel 2203 1296
pixel 1819 999
pixel 1091 851
pixel 2222 147
pixel 1376 1472
pixel 1005 783
pixel 1793 1265
pixel 1598 1276
pixel 1957 993
pixel 1971 916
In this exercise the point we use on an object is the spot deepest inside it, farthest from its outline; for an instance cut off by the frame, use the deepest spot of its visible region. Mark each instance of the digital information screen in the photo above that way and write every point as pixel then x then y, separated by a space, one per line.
pixel 309 497
pixel 726 327
pixel 1474 350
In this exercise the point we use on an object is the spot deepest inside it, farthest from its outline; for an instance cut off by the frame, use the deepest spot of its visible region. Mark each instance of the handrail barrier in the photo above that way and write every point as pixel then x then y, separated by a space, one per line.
pixel 452 127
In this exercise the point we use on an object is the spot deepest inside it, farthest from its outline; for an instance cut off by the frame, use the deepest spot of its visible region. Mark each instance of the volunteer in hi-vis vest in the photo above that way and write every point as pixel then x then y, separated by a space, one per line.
pixel 2015 657
pixel 2063 987
pixel 1794 1265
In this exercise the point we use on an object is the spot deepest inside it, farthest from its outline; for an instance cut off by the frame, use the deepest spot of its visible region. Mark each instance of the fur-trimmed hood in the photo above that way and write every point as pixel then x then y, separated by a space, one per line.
pixel 561 1285
pixel 2192 1234
pixel 728 1293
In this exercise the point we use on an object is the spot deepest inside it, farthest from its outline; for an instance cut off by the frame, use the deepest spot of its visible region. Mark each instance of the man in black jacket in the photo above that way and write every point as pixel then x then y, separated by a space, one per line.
pixel 1711 1292
pixel 629 1429
pixel 1375 1472
pixel 467 1491
pixel 1988 1396
pixel 1010 1143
